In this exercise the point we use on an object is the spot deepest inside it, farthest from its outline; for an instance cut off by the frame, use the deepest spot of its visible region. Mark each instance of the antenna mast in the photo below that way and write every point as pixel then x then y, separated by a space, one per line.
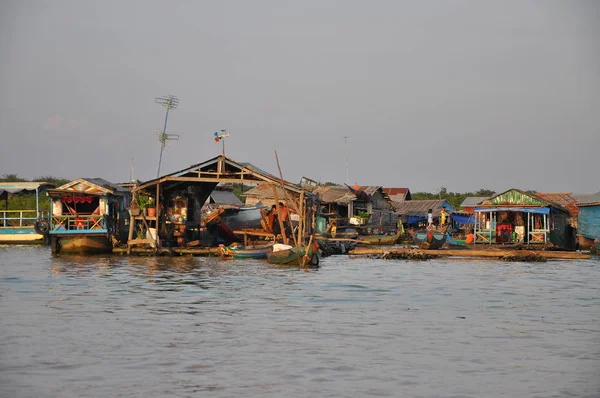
pixel 169 102
pixel 346 155
pixel 221 137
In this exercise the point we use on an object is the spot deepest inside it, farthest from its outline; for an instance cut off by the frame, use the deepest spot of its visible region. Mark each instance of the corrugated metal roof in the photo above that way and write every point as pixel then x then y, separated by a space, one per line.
pixel 564 199
pixel 420 207
pixel 106 184
pixel 265 192
pixel 23 186
pixel 334 194
pixel 590 200
pixel 472 201
pixel 225 198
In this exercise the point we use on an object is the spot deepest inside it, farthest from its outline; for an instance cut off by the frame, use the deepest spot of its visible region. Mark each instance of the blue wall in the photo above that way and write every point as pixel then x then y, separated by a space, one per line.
pixel 588 221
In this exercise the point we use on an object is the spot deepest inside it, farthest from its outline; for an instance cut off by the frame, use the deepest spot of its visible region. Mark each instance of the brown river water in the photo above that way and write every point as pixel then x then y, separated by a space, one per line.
pixel 111 326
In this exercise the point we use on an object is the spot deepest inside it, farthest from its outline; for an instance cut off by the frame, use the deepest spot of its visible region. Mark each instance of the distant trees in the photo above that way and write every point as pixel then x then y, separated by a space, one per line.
pixel 454 198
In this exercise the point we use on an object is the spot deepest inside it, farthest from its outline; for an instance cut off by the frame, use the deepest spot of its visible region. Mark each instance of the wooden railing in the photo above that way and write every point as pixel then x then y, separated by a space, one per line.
pixel 78 222
pixel 20 218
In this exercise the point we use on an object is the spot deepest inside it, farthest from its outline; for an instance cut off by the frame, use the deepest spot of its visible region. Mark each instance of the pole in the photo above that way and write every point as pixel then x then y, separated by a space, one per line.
pixel 346 157
pixel 162 144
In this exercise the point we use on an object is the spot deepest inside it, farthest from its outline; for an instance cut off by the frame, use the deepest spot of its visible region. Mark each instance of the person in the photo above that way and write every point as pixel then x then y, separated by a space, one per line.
pixel 470 237
pixel 429 218
pixel 443 217
pixel 333 228
pixel 400 225
pixel 274 220
pixel 284 215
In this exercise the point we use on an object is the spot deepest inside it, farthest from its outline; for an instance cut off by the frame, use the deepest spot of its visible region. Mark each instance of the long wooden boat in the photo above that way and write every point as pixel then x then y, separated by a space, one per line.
pixel 380 240
pixel 429 239
pixel 23 226
pixel 240 251
pixel 303 255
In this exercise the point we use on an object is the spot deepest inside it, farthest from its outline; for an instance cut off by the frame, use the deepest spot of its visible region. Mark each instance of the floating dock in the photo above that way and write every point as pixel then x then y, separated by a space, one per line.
pixel 548 254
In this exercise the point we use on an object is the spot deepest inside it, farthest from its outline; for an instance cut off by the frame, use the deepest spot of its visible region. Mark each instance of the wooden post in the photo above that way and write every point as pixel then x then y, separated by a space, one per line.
pixel 281 227
pixel 157 213
pixel 301 214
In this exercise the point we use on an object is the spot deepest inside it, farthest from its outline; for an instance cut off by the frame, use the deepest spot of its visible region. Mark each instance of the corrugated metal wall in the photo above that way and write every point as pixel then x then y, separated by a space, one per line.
pixel 588 223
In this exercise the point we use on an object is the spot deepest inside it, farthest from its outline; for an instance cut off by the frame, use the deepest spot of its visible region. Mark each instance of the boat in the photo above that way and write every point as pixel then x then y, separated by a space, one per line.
pixel 380 240
pixel 241 251
pixel 23 226
pixel 289 255
pixel 597 246
pixel 429 239
pixel 86 214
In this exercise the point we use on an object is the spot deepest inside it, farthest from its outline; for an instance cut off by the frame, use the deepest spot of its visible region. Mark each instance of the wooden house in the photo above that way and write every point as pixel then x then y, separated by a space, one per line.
pixel 414 212
pixel 180 196
pixel 398 195
pixel 356 205
pixel 518 216
pixel 588 224
pixel 85 214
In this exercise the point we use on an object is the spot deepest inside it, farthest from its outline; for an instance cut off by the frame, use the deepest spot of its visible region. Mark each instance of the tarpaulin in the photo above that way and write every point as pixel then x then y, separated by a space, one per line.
pixel 463 219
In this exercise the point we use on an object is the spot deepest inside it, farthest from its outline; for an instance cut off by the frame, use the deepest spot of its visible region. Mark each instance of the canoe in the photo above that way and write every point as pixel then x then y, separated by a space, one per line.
pixel 380 240
pixel 429 239
pixel 303 255
pixel 237 251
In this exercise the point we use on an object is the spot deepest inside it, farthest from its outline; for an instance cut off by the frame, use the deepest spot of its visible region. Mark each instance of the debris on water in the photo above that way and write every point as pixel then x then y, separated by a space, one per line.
pixel 525 257
pixel 406 255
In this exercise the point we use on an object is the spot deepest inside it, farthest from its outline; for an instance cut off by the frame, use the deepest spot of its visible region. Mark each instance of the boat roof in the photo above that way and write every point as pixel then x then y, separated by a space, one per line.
pixel 17 187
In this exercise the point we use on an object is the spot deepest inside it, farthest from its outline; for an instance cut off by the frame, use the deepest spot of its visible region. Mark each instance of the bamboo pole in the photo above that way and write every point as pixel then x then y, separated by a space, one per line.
pixel 301 221
pixel 157 202
pixel 306 251
pixel 287 199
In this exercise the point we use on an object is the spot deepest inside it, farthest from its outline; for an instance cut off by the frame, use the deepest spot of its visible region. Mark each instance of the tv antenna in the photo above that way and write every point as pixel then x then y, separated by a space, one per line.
pixel 346 156
pixel 221 137
pixel 170 102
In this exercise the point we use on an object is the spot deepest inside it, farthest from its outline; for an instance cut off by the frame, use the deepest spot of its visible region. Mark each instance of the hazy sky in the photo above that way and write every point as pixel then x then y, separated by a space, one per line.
pixel 461 94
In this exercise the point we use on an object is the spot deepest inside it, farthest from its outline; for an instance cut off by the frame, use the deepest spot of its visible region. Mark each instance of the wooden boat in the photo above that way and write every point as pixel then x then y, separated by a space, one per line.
pixel 23 226
pixel 303 255
pixel 381 240
pixel 240 251
pixel 429 239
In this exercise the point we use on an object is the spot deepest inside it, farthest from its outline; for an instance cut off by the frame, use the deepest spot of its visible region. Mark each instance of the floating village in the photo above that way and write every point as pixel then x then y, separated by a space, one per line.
pixel 194 211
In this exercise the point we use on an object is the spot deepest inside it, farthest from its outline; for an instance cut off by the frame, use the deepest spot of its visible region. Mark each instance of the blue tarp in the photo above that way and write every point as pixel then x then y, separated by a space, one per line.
pixel 463 219
pixel 536 210
pixel 415 219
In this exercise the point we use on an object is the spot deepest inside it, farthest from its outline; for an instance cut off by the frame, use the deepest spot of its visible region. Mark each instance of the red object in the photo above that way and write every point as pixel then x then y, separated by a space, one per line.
pixel 216 139
pixel 503 232
pixel 77 199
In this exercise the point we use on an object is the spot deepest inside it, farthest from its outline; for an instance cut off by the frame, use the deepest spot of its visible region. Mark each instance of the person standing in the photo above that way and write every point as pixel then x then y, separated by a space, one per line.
pixel 430 218
pixel 443 215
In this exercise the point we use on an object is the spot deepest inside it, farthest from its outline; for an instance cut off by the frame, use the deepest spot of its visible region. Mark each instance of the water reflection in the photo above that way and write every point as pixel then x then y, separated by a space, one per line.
pixel 174 326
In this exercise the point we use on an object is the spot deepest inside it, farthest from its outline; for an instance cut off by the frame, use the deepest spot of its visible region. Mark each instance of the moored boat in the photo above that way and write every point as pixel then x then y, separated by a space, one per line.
pixel 23 226
pixel 381 240
pixel 429 239
pixel 289 255
pixel 240 251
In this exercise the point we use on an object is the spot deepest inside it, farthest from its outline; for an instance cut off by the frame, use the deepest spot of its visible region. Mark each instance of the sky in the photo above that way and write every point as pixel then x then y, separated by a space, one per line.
pixel 460 94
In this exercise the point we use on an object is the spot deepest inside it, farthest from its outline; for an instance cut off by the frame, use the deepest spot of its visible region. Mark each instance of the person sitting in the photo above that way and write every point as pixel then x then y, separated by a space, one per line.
pixel 470 238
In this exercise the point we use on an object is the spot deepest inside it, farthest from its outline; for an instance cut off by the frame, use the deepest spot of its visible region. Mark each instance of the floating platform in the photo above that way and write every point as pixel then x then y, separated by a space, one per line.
pixel 548 254
pixel 164 251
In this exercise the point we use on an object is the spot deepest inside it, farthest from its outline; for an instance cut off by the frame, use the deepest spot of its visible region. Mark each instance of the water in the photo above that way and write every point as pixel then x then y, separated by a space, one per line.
pixel 185 326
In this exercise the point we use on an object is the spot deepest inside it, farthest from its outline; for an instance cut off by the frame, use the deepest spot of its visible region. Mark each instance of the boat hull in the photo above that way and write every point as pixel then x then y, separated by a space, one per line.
pixel 380 240
pixel 301 256
pixel 20 235
pixel 429 240
pixel 246 252
pixel 83 244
